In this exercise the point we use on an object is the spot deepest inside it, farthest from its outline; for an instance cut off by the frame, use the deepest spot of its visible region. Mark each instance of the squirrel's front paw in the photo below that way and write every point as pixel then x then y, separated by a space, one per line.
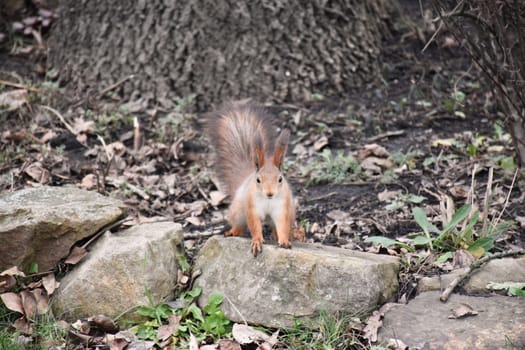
pixel 256 246
pixel 285 244
pixel 235 231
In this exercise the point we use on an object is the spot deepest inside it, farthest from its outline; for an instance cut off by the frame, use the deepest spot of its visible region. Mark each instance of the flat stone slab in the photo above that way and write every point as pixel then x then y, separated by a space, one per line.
pixel 280 285
pixel 40 225
pixel 423 323
pixel 497 270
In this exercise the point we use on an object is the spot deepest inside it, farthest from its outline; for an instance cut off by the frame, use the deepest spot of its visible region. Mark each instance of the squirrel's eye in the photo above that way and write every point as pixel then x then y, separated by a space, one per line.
pixel 258 180
pixel 280 179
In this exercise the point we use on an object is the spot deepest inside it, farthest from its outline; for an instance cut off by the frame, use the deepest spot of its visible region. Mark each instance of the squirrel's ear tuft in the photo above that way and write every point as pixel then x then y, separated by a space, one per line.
pixel 281 144
pixel 259 151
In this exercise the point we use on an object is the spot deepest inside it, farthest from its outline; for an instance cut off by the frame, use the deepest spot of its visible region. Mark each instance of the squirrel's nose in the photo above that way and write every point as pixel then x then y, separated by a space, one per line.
pixel 269 194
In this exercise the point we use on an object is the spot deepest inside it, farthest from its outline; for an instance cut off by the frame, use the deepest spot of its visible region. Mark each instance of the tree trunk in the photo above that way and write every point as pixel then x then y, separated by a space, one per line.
pixel 220 49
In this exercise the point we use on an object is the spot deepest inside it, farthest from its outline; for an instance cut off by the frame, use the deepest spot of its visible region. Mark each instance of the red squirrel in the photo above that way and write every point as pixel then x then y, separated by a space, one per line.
pixel 248 161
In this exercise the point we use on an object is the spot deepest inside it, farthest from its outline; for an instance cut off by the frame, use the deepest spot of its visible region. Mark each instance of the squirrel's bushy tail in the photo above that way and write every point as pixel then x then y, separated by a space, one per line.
pixel 232 131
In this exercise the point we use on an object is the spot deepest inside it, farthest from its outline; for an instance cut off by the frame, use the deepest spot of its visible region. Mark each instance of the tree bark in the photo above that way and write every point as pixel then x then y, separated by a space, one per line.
pixel 280 50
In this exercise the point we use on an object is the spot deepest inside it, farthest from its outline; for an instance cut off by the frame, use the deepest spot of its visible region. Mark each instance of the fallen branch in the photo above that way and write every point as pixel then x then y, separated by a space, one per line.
pixel 62 119
pixel 446 293
pixel 18 86
pixel 116 85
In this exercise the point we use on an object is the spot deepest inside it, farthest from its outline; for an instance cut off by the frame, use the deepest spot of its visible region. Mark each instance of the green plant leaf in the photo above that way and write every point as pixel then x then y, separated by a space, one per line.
pixel 146 311
pixel 458 216
pixel 213 303
pixel 459 96
pixel 513 288
pixel 415 198
pixel 196 312
pixel 422 220
pixel 486 243
pixel 519 292
pixel 444 257
pixel 33 268
pixel 466 234
pixel 422 240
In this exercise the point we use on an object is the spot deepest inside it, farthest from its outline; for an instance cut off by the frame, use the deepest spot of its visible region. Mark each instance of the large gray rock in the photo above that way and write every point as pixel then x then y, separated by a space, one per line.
pixel 41 224
pixel 497 270
pixel 424 324
pixel 280 285
pixel 122 270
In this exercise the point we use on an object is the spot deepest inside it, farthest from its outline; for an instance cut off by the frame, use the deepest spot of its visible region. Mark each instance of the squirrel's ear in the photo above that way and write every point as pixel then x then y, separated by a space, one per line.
pixel 259 151
pixel 281 144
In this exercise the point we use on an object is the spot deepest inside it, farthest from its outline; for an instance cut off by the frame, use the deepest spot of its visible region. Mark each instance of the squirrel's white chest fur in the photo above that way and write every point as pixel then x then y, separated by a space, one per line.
pixel 267 209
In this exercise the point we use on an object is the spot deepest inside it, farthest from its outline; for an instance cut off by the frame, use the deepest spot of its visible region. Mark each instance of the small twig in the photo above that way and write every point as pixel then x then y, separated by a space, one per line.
pixel 195 235
pixel 324 196
pixel 116 85
pixel 507 198
pixel 38 274
pixel 386 135
pixel 136 135
pixel 235 309
pixel 66 124
pixel 104 229
pixel 132 188
pixel 486 202
pixel 446 293
pixel 433 37
pixel 18 86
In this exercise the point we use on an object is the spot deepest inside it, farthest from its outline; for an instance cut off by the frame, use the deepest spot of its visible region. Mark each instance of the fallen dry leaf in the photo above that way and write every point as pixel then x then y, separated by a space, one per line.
pixel 374 150
pixel 12 100
pixel 23 326
pixel 88 182
pixel 42 301
pixel 38 172
pixel 116 148
pixel 270 342
pixel 387 195
pixel 193 343
pixel 49 135
pixel 50 283
pixel 7 283
pixel 82 326
pixel 373 324
pixel 167 330
pixel 227 344
pixel 12 271
pixel 217 198
pixel 375 164
pixel 320 143
pixel 462 310
pixel 76 255
pixel 443 143
pixel 29 304
pixel 13 302
pixel 118 344
pixel 104 323
pixel 245 334
pixel 82 126
pixel 194 221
